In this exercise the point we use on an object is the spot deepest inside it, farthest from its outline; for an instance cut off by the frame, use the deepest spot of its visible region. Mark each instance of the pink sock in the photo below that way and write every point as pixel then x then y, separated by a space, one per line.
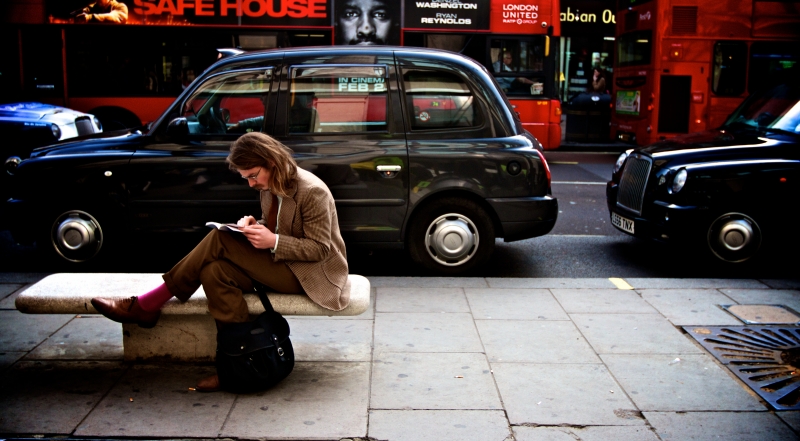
pixel 155 299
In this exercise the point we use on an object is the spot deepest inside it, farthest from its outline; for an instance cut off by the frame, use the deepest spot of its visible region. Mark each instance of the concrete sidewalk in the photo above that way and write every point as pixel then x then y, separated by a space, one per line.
pixel 433 359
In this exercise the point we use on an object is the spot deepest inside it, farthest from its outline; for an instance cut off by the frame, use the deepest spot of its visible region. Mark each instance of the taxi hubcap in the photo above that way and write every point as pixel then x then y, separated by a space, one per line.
pixel 451 239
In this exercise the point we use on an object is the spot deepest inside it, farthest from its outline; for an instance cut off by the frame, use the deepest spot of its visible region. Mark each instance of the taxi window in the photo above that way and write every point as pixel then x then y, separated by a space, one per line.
pixel 338 99
pixel 439 100
pixel 232 102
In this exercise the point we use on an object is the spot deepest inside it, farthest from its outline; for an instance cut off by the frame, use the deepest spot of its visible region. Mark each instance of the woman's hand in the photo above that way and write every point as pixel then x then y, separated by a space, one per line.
pixel 245 221
pixel 259 236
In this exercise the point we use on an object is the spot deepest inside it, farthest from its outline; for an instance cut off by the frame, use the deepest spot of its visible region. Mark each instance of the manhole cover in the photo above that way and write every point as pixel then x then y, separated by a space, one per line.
pixel 763 357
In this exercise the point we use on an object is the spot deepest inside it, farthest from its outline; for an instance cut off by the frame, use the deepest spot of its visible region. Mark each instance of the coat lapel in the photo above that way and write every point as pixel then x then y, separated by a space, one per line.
pixel 286 215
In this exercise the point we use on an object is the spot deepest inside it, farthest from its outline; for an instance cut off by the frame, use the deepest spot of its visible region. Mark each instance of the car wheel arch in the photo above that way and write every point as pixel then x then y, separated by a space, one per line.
pixel 437 196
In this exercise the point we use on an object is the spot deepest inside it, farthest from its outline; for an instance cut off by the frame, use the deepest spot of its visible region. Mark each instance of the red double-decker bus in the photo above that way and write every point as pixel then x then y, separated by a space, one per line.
pixel 683 66
pixel 127 67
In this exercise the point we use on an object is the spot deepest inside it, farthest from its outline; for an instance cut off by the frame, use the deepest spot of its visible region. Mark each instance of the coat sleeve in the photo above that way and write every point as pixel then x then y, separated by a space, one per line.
pixel 314 213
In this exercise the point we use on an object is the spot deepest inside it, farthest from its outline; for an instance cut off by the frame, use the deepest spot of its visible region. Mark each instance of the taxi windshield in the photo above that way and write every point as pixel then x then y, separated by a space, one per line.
pixel 777 108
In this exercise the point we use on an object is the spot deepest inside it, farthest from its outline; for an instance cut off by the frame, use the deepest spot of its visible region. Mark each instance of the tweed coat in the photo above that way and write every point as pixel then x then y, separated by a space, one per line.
pixel 310 242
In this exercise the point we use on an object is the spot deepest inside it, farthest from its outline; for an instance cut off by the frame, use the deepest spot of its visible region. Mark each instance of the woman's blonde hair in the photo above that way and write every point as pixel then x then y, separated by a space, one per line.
pixel 256 149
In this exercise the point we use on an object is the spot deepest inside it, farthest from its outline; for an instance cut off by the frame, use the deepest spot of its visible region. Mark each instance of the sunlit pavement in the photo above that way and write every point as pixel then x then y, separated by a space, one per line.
pixel 432 359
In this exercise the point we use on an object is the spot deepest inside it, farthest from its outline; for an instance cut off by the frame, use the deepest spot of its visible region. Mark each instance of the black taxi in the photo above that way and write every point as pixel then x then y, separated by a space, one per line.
pixel 728 191
pixel 419 148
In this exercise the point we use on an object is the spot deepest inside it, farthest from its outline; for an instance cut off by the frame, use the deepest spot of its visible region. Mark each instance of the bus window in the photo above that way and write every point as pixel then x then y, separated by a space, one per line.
pixel 439 100
pixel 634 48
pixel 336 99
pixel 730 68
pixel 162 64
pixel 518 65
pixel 769 63
pixel 41 53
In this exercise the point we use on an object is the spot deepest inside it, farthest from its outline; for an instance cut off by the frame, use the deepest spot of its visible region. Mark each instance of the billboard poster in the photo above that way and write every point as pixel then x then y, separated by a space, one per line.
pixel 367 22
pixel 470 15
pixel 628 102
pixel 521 16
pixel 277 13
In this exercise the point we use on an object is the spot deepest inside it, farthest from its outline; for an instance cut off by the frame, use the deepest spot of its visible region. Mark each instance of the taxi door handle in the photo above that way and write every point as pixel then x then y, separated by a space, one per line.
pixel 388 171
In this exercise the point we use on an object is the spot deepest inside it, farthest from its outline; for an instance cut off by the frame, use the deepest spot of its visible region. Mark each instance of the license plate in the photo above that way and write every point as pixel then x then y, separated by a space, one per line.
pixel 622 223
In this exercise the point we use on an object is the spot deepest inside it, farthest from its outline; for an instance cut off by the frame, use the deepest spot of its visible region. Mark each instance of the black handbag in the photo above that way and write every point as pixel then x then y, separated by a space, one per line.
pixel 256 355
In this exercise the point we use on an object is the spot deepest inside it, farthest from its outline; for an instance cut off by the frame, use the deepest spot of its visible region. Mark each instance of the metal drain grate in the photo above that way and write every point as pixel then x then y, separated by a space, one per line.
pixel 766 358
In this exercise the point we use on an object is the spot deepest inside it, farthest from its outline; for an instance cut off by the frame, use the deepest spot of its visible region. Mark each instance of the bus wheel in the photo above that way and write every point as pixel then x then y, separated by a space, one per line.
pixel 734 237
pixel 451 236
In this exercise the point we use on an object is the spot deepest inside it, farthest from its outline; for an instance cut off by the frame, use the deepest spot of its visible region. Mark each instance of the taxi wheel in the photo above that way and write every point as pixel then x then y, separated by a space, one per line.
pixel 451 236
pixel 76 236
pixel 734 237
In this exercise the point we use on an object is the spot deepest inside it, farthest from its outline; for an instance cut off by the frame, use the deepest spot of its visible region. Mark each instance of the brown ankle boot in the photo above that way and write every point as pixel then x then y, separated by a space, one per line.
pixel 126 311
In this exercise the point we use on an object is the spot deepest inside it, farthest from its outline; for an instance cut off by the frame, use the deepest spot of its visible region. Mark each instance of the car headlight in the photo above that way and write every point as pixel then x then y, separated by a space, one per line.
pixel 56 131
pixel 679 180
pixel 97 123
pixel 11 164
pixel 620 160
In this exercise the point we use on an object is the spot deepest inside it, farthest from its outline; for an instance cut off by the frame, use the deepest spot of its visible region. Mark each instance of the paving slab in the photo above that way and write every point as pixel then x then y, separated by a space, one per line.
pixel 22 332
pixel 9 358
pixel 10 298
pixel 786 297
pixel 563 394
pixel 632 334
pixel 514 304
pixel 432 381
pixel 599 301
pixel 421 300
pixel 691 307
pixel 514 341
pixel 317 401
pixel 679 383
pixel 22 277
pixel 426 332
pixel 524 433
pixel 791 418
pixel 53 397
pixel 334 340
pixel 730 426
pixel 589 433
pixel 438 425
pixel 85 338
pixel 672 283
pixel 548 282
pixel 155 401
pixel 782 283
pixel 428 282
pixel 7 289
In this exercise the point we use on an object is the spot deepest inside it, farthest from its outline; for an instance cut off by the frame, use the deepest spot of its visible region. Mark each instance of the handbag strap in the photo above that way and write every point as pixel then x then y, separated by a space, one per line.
pixel 265 301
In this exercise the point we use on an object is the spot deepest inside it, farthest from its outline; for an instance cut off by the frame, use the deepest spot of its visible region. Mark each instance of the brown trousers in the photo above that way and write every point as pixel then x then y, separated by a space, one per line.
pixel 226 264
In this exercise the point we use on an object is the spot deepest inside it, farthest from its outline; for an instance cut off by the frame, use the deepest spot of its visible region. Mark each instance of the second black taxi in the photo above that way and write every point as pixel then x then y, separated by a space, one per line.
pixel 728 191
pixel 419 148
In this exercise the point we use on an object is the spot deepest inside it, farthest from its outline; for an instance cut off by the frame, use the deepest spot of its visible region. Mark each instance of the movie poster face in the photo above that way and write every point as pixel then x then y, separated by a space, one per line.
pixel 367 22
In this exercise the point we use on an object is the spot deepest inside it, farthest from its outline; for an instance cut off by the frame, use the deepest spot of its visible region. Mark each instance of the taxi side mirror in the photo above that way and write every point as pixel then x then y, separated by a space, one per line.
pixel 178 128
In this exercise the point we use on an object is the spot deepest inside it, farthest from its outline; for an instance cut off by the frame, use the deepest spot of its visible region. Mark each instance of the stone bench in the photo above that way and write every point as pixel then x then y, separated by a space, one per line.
pixel 185 331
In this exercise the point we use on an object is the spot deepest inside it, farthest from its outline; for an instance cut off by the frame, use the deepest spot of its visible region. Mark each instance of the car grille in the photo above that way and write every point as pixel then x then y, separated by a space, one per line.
pixel 632 183
pixel 84 125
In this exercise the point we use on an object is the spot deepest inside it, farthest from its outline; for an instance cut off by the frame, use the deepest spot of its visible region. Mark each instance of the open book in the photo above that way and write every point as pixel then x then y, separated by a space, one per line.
pixel 224 227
